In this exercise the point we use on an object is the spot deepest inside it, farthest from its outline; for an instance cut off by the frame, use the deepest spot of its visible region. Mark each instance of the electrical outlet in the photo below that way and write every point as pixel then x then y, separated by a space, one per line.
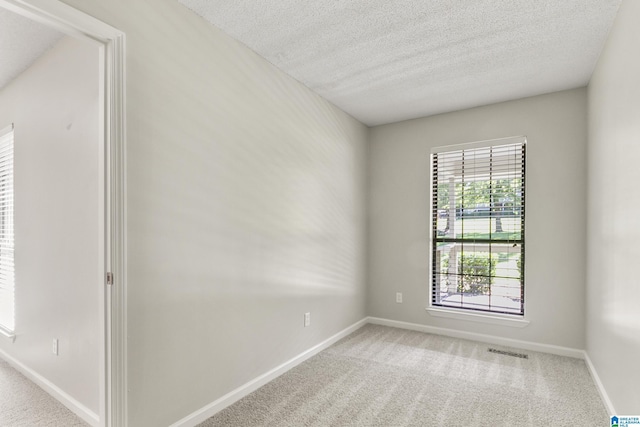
pixel 54 349
pixel 399 297
pixel 307 319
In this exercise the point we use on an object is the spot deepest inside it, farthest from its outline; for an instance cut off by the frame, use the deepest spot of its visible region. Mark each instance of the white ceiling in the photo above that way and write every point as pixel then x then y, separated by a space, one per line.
pixel 384 61
pixel 22 41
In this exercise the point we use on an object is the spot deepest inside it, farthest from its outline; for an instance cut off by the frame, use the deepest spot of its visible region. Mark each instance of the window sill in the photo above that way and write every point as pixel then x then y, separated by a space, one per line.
pixel 8 334
pixel 494 319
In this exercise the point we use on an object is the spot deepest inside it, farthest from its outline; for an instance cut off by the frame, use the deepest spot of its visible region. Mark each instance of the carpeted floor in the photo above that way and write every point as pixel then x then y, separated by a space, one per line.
pixel 381 376
pixel 24 404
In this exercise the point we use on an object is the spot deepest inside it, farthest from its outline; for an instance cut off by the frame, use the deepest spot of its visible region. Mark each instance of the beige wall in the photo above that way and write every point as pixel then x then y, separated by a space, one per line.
pixel 613 303
pixel 54 107
pixel 245 210
pixel 399 228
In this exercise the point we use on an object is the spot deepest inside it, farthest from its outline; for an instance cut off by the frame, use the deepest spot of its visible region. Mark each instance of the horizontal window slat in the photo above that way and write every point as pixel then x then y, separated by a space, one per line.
pixel 478 237
pixel 7 273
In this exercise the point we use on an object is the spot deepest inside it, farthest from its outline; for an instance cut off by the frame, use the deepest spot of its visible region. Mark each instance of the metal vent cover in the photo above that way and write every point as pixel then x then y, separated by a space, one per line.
pixel 508 353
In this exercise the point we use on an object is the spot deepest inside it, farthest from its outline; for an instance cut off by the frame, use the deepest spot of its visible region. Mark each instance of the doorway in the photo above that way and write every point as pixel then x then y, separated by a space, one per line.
pixel 106 279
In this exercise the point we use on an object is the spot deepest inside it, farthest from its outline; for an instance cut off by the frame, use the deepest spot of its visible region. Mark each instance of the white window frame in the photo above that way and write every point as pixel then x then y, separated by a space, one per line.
pixel 515 320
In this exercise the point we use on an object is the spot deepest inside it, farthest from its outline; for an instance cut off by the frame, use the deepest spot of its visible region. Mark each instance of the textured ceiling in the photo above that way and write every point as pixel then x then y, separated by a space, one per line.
pixel 384 61
pixel 22 41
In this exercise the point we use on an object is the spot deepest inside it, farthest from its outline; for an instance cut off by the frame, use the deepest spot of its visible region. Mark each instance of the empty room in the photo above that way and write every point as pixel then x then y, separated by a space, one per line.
pixel 321 214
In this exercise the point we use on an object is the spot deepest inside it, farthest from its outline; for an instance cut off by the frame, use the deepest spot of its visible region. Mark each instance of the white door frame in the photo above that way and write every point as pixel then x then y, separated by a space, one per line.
pixel 113 366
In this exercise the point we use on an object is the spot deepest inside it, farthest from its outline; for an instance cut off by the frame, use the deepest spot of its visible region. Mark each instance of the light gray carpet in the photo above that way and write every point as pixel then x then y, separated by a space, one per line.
pixel 381 376
pixel 24 404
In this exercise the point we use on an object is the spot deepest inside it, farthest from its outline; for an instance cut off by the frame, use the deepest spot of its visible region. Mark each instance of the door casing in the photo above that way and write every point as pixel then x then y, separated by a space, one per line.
pixel 113 320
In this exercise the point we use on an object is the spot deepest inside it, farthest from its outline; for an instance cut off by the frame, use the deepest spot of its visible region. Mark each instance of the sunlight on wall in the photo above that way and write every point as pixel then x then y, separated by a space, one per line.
pixel 245 210
pixel 272 201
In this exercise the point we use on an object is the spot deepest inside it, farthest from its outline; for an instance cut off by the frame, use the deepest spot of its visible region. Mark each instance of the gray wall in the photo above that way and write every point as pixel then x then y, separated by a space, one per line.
pixel 245 210
pixel 399 229
pixel 613 302
pixel 54 106
pixel 246 197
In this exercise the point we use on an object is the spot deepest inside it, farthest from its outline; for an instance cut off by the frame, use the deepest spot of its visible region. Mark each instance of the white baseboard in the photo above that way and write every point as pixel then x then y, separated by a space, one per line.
pixel 72 404
pixel 491 339
pixel 599 385
pixel 228 399
pixel 237 394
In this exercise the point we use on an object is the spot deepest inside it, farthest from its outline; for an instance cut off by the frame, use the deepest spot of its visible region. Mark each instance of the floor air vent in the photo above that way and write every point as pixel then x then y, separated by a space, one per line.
pixel 509 353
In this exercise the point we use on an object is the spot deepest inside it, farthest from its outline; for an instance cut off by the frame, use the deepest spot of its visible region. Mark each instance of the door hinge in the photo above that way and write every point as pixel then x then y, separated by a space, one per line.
pixel 109 278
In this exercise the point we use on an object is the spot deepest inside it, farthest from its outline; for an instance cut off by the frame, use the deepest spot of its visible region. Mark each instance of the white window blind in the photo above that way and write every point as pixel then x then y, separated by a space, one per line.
pixel 7 274
pixel 478 226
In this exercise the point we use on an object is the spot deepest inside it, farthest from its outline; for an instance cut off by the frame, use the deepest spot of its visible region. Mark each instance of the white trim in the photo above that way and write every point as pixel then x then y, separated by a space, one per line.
pixel 596 379
pixel 228 399
pixel 480 144
pixel 64 18
pixel 7 333
pixel 233 396
pixel 76 407
pixel 116 262
pixel 491 339
pixel 470 316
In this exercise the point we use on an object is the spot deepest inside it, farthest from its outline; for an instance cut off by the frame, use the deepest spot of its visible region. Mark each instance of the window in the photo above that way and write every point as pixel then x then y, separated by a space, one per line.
pixel 6 231
pixel 478 226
